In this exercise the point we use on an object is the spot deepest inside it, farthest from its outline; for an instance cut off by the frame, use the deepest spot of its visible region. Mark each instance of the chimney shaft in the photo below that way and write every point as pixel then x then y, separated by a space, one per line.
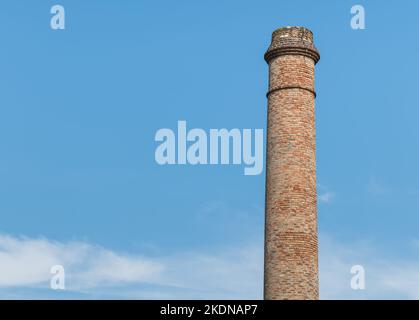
pixel 291 262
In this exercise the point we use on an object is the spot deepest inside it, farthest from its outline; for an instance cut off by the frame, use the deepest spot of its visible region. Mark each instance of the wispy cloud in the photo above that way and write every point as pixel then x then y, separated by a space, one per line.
pixel 386 278
pixel 27 262
pixel 228 273
pixel 90 269
pixel 377 188
pixel 326 197
pixel 324 194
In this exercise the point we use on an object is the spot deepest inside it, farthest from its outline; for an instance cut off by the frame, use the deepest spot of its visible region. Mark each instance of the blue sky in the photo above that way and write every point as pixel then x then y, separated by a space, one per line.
pixel 80 107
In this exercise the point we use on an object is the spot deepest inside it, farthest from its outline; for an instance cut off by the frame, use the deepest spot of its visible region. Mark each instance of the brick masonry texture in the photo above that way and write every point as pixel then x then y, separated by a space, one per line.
pixel 291 258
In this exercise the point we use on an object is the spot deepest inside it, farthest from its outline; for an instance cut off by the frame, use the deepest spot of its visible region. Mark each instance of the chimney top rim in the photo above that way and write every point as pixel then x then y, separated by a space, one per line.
pixel 287 28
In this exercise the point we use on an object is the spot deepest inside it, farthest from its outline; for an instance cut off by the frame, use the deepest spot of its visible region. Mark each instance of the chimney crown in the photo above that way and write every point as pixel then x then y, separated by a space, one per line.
pixel 292 41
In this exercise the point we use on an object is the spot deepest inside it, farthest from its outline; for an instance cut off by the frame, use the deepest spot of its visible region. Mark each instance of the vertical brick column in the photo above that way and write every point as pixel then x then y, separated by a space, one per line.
pixel 291 263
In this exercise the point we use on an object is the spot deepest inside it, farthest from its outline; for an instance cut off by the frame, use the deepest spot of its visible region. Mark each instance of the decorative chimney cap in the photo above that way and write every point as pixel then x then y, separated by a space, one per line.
pixel 292 41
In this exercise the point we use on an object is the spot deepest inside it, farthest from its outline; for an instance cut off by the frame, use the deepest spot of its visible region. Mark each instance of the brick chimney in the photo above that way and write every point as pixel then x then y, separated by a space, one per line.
pixel 291 263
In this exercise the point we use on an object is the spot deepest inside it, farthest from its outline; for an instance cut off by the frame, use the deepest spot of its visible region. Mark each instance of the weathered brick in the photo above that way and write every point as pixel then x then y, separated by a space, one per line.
pixel 291 258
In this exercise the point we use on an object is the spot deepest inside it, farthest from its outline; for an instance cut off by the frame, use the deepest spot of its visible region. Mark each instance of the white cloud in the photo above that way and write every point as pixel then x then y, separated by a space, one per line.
pixel 377 188
pixel 386 278
pixel 230 273
pixel 93 270
pixel 27 262
pixel 326 197
pixel 324 194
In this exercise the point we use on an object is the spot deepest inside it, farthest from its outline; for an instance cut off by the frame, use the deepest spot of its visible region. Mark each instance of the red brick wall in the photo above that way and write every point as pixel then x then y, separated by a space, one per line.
pixel 291 263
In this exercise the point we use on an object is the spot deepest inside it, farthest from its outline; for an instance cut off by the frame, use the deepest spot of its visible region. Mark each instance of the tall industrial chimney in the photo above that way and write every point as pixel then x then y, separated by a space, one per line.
pixel 291 262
